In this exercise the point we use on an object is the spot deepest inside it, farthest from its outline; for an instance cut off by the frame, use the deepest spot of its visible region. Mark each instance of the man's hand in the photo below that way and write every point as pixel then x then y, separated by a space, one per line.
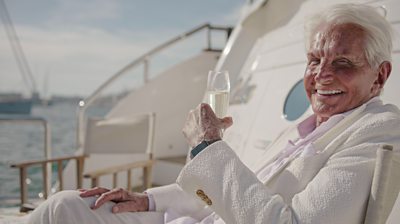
pixel 202 124
pixel 125 201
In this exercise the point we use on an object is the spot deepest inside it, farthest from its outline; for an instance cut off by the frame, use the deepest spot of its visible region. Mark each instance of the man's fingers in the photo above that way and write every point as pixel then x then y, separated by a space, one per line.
pixel 207 112
pixel 92 192
pixel 109 196
pixel 129 206
pixel 226 122
pixel 202 124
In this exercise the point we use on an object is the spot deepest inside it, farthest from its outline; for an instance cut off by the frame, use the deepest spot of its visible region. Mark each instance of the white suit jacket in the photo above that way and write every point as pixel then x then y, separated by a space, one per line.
pixel 330 186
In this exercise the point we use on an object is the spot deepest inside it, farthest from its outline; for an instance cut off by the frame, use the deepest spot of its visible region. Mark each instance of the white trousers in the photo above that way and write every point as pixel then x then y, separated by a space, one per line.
pixel 67 207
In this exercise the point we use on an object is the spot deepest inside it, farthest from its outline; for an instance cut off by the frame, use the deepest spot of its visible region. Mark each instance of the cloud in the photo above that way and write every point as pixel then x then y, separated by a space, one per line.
pixel 77 11
pixel 79 44
pixel 78 60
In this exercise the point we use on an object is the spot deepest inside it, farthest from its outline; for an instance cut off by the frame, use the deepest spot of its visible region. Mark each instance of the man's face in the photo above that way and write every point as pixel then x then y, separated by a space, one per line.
pixel 338 77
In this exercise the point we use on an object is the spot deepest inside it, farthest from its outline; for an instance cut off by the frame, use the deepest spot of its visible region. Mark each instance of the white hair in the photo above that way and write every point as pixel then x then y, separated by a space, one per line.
pixel 378 45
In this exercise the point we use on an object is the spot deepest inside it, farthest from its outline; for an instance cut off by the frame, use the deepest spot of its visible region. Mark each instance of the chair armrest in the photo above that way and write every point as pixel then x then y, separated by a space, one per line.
pixel 23 166
pixel 44 161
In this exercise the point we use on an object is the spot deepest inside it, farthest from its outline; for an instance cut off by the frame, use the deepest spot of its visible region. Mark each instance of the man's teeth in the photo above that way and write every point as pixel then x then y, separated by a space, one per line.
pixel 328 92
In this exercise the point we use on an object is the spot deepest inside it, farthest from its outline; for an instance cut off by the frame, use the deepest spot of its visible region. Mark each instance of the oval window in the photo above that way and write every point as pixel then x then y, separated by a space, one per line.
pixel 296 102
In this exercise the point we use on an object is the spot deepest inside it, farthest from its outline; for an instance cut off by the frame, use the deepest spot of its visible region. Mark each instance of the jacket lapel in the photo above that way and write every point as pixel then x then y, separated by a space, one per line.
pixel 272 151
pixel 319 144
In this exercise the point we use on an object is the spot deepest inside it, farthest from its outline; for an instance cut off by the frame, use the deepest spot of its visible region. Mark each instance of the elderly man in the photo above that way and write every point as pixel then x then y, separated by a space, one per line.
pixel 322 175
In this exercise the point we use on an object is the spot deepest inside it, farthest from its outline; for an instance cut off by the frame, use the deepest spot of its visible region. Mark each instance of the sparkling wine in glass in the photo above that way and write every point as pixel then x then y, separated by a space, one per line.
pixel 217 92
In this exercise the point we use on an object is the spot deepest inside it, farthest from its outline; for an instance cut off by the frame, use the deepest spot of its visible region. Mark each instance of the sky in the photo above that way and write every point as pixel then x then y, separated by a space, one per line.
pixel 73 46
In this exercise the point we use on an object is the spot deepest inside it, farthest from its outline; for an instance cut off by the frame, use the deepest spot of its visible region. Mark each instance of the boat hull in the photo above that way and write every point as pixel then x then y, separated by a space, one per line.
pixel 22 106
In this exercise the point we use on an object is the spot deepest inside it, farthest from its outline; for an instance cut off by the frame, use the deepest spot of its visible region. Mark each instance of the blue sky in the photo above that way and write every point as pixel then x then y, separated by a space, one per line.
pixel 80 43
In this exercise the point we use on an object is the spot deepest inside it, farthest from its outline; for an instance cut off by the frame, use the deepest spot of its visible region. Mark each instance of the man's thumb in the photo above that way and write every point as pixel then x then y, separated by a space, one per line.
pixel 226 122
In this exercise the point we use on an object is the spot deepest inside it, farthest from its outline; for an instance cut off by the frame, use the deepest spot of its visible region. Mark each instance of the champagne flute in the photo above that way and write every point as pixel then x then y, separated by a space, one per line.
pixel 217 92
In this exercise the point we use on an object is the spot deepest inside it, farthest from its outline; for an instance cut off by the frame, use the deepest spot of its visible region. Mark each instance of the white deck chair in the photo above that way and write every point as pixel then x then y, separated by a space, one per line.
pixel 130 135
pixel 385 186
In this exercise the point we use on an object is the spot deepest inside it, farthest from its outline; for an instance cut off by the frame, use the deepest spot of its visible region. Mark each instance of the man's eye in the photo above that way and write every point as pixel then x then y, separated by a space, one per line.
pixel 343 62
pixel 314 61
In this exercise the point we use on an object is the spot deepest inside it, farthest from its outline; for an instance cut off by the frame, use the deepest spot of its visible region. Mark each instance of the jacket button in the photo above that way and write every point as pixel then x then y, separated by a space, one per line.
pixel 203 196
pixel 200 193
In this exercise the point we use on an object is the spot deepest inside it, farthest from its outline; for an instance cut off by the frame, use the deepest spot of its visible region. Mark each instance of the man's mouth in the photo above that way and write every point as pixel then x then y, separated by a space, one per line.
pixel 328 92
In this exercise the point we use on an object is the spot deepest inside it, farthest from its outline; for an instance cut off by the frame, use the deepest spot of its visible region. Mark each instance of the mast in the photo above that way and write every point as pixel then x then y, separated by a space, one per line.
pixel 19 55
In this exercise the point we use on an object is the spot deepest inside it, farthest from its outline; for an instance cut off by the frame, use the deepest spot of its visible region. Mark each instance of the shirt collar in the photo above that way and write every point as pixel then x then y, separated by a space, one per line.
pixel 308 125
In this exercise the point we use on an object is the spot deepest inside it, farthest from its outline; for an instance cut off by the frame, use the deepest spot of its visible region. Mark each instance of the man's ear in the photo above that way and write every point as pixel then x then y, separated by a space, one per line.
pixel 384 70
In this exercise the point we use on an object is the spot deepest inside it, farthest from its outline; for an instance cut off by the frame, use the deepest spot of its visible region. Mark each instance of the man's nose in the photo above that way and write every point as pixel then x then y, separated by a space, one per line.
pixel 324 73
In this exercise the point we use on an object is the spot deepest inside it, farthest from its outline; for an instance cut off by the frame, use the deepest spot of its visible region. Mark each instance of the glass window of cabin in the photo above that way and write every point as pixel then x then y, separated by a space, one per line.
pixel 296 102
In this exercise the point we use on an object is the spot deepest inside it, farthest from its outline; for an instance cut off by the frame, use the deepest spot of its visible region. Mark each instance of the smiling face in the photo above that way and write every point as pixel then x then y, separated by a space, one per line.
pixel 338 77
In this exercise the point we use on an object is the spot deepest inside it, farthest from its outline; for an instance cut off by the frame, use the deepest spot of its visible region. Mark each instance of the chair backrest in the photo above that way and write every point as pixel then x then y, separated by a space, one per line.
pixel 385 186
pixel 133 134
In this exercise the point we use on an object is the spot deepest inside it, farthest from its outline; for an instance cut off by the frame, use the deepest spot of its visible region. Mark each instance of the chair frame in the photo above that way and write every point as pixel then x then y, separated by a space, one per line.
pixel 385 186
pixel 146 165
pixel 23 167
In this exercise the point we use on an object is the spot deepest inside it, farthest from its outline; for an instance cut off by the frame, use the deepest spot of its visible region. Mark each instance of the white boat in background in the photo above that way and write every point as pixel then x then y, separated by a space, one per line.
pixel 265 57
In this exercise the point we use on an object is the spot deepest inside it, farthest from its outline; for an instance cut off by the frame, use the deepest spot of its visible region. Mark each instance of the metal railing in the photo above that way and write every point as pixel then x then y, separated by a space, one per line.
pixel 145 60
pixel 32 120
pixel 47 138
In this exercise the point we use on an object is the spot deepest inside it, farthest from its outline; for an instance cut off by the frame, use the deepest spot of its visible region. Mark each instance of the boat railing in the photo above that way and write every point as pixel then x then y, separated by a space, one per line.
pixel 145 61
pixel 23 119
pixel 32 120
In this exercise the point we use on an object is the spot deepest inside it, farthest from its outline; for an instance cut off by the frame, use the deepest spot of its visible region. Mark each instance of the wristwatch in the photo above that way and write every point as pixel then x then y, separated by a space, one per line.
pixel 196 150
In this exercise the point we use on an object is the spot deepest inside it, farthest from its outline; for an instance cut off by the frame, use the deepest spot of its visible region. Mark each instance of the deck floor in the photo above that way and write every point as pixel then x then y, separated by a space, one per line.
pixel 12 216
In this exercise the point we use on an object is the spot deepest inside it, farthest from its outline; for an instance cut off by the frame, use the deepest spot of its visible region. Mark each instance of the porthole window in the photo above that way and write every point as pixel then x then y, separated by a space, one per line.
pixel 296 102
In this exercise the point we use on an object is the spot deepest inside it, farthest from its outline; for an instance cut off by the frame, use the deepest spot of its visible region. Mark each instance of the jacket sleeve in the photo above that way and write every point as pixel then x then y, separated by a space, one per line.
pixel 173 199
pixel 234 191
pixel 337 194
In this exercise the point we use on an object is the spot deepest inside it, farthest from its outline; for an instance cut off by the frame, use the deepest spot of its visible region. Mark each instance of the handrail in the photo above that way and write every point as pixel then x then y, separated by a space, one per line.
pixel 47 135
pixel 30 119
pixel 84 104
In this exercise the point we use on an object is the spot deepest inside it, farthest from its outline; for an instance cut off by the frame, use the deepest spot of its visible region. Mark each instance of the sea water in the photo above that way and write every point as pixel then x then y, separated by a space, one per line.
pixel 21 142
